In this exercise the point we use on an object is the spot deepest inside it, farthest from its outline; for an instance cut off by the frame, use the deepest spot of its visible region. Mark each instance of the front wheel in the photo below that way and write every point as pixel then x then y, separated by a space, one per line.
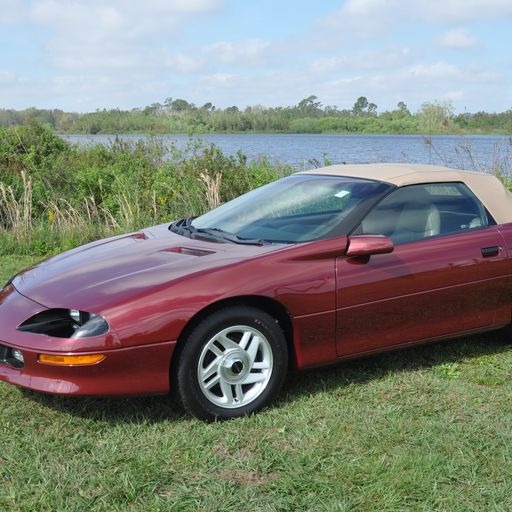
pixel 232 364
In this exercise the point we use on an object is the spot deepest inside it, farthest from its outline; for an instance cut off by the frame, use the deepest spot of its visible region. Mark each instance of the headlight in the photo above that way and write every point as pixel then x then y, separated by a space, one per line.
pixel 94 326
pixel 11 356
pixel 66 323
pixel 17 355
pixel 76 316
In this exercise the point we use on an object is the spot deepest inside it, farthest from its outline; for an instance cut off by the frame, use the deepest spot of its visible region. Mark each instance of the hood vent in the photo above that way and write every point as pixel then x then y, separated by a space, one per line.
pixel 189 251
pixel 139 236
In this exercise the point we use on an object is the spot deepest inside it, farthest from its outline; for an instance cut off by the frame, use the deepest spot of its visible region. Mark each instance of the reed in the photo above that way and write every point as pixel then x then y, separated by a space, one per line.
pixel 16 207
pixel 212 188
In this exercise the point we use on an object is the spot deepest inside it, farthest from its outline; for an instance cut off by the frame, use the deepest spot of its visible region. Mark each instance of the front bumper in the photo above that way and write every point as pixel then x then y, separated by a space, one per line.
pixel 129 371
pixel 142 369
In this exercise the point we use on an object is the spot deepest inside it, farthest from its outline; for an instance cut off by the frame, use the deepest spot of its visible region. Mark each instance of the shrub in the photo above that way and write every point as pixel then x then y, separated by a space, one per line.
pixel 54 195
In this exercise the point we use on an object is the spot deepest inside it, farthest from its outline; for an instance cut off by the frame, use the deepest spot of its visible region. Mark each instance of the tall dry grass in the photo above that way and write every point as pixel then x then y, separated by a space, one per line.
pixel 65 217
pixel 16 207
pixel 211 188
pixel 86 219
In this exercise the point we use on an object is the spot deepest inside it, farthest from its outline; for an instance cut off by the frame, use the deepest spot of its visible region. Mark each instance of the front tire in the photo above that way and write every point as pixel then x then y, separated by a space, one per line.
pixel 232 364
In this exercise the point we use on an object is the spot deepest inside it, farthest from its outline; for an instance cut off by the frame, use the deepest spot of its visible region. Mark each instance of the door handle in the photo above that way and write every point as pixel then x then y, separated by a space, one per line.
pixel 490 251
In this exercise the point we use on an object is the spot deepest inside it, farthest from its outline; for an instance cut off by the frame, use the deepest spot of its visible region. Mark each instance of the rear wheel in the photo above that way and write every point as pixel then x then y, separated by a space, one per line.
pixel 232 364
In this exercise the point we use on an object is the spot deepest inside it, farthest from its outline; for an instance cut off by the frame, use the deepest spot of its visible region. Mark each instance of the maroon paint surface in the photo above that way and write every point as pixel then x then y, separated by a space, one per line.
pixel 149 286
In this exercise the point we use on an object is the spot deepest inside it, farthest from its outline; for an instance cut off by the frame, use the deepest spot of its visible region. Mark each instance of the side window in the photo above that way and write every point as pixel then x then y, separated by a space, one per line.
pixel 415 212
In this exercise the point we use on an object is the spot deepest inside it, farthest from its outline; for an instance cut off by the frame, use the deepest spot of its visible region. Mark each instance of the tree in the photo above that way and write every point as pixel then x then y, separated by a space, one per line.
pixel 360 106
pixel 400 112
pixel 331 110
pixel 309 105
pixel 372 109
pixel 435 116
pixel 402 108
pixel 154 108
pixel 179 105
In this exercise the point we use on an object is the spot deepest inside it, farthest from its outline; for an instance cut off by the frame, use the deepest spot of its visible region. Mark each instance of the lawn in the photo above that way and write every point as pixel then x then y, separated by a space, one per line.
pixel 424 429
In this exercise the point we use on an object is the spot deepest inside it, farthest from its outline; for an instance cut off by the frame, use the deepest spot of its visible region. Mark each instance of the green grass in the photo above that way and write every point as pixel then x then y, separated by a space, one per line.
pixel 422 429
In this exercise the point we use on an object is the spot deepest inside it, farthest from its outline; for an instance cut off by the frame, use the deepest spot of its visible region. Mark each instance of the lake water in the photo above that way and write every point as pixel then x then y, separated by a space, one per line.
pixel 305 151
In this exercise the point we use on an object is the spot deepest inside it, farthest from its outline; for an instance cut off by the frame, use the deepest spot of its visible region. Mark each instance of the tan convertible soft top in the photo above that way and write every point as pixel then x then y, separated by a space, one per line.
pixel 489 189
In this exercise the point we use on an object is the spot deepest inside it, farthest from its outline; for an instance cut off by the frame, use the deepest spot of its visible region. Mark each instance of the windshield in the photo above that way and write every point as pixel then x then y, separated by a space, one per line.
pixel 298 208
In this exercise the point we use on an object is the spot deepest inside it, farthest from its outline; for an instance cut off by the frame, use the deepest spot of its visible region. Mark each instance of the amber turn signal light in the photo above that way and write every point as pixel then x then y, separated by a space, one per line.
pixel 70 360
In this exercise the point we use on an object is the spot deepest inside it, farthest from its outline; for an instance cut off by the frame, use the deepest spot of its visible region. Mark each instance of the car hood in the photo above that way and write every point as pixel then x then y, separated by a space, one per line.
pixel 110 271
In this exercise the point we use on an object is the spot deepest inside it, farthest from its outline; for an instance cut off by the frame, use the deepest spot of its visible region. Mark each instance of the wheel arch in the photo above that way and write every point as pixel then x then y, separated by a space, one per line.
pixel 266 304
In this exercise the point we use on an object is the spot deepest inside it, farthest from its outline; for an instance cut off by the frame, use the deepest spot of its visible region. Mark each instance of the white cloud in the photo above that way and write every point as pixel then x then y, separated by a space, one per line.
pixel 364 17
pixel 436 71
pixel 413 83
pixel 272 88
pixel 456 11
pixel 184 64
pixel 445 72
pixel 366 59
pixel 458 38
pixel 94 36
pixel 7 76
pixel 369 17
pixel 454 95
pixel 220 80
pixel 101 53
pixel 63 9
pixel 332 64
pixel 157 11
pixel 12 11
pixel 93 54
pixel 209 59
pixel 247 53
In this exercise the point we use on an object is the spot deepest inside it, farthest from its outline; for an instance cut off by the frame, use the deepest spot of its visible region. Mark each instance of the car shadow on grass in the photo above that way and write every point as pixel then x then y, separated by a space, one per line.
pixel 376 367
pixel 114 410
pixel 156 409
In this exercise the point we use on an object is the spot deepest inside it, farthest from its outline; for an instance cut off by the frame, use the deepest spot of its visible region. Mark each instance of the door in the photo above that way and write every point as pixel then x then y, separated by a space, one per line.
pixel 447 273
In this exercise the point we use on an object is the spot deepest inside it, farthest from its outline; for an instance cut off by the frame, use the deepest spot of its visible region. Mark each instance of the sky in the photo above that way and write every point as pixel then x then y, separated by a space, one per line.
pixel 83 55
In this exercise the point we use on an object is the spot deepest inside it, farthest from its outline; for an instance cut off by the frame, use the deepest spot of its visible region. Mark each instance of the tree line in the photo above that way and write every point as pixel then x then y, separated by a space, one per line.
pixel 177 115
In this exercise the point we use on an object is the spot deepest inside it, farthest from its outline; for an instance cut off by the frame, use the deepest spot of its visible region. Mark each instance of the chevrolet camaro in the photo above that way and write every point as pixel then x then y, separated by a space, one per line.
pixel 314 268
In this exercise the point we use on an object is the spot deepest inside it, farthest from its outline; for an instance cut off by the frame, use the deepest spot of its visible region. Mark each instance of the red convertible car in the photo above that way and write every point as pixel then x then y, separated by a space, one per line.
pixel 314 268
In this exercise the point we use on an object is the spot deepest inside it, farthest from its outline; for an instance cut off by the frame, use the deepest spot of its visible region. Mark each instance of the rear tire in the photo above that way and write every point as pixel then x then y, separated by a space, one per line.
pixel 232 364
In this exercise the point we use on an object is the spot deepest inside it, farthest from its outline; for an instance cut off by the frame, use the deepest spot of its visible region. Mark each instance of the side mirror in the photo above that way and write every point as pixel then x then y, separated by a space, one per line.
pixel 368 245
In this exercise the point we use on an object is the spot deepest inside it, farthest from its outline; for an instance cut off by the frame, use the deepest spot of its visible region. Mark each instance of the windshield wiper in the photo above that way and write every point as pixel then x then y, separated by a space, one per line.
pixel 184 227
pixel 181 227
pixel 230 237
